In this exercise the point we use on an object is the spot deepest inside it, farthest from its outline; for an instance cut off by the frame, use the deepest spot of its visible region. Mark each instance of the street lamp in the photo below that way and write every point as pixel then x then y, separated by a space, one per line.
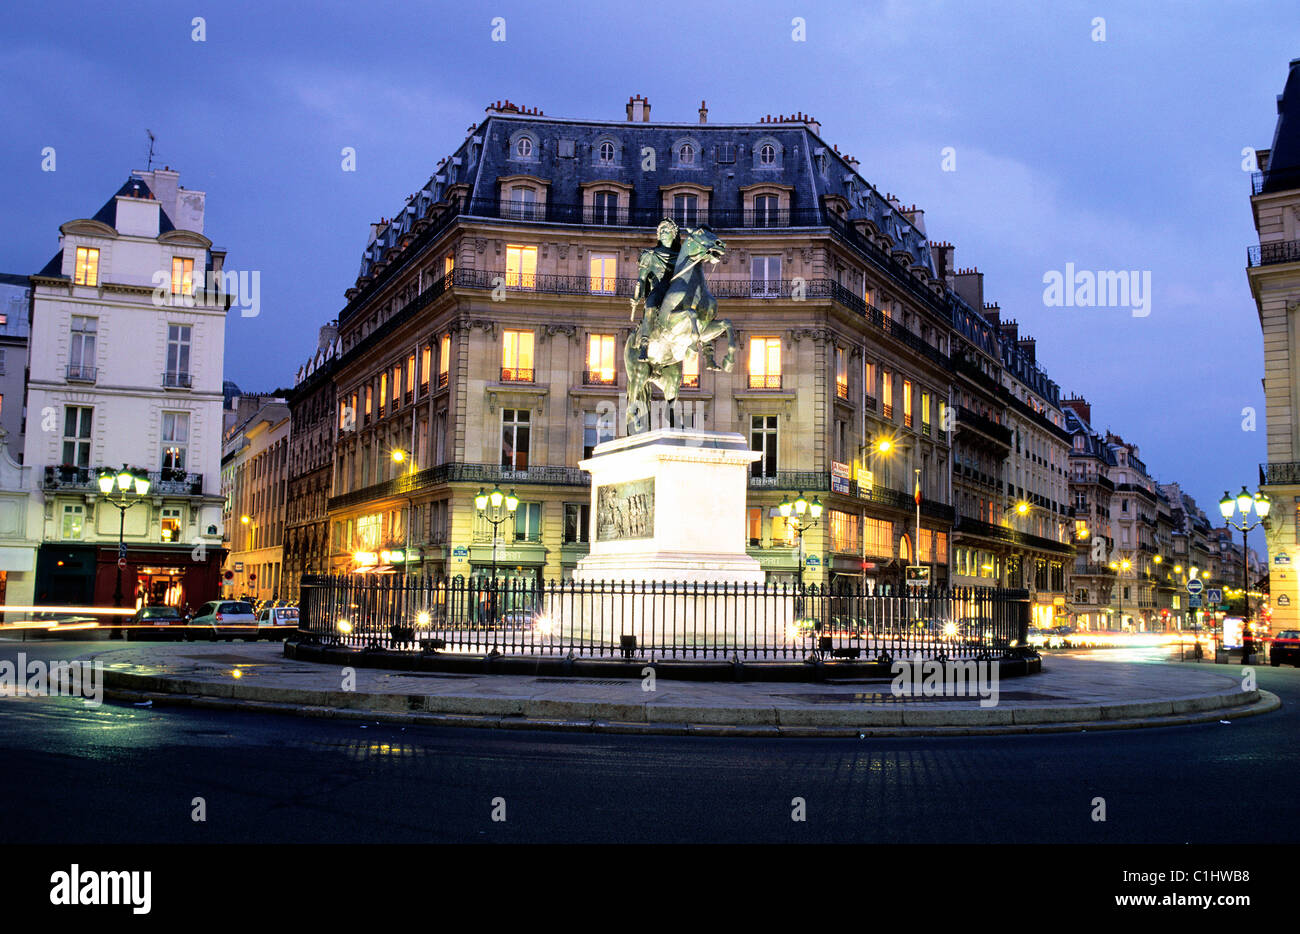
pixel 497 516
pixel 122 489
pixel 399 457
pixel 1243 502
pixel 801 516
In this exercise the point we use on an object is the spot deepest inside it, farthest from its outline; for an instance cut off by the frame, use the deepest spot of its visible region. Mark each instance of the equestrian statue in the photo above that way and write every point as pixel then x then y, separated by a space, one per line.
pixel 679 321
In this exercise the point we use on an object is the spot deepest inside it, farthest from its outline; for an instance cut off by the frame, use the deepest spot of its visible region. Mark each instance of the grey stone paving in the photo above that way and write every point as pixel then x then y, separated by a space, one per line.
pixel 1069 690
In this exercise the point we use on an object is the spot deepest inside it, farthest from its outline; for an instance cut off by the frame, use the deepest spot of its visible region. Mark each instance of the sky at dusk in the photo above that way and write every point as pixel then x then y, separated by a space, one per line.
pixel 1117 155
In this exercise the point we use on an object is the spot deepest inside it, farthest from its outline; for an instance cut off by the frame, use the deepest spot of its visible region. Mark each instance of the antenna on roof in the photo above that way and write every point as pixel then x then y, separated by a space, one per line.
pixel 149 164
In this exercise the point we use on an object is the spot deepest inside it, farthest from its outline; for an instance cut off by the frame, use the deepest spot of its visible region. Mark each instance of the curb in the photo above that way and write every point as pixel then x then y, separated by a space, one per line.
pixel 650 719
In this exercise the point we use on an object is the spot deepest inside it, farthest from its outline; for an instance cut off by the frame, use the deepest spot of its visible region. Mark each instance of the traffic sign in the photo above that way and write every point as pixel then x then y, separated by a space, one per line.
pixel 121 550
pixel 1194 603
pixel 121 563
pixel 1214 595
pixel 1195 585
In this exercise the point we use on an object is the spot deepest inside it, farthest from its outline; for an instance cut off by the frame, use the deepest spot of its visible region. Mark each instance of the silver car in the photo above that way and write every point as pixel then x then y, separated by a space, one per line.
pixel 223 619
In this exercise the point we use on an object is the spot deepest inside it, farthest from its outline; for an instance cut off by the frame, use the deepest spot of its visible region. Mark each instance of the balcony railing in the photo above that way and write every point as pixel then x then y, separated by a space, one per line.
pixel 86 480
pixel 81 374
pixel 690 380
pixel 1276 180
pixel 443 379
pixel 764 381
pixel 819 481
pixel 888 410
pixel 177 380
pixel 599 378
pixel 1280 473
pixel 516 375
pixel 870 402
pixel 987 426
pixel 842 390
pixel 1267 254
pixel 462 473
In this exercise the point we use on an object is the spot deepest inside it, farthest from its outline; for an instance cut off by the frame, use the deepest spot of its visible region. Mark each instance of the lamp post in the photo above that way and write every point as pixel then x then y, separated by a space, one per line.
pixel 1243 502
pixel 800 515
pixel 497 516
pixel 1118 567
pixel 399 457
pixel 122 489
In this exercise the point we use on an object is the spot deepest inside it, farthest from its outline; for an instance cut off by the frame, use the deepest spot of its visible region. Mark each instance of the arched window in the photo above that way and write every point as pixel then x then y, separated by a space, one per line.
pixel 767 154
pixel 524 148
pixel 607 152
pixel 686 155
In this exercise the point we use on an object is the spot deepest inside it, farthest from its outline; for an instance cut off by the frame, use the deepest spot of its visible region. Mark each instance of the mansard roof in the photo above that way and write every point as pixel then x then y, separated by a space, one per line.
pixel 726 161
pixel 132 188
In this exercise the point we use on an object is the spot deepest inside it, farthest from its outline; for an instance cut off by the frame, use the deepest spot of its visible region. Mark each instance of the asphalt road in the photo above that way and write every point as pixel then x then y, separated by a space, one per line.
pixel 125 774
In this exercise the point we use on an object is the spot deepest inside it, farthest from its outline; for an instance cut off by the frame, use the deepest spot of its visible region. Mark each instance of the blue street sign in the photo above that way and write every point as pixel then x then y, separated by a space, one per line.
pixel 121 550
pixel 1214 595
pixel 1195 585
pixel 1194 603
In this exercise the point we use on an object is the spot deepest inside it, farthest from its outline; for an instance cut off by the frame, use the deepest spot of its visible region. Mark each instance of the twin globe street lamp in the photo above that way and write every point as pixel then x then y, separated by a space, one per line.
pixel 1242 503
pixel 122 489
pixel 496 499
pixel 801 516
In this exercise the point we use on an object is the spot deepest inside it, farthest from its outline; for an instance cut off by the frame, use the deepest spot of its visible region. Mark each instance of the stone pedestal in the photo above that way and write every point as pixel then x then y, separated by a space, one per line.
pixel 667 564
pixel 669 505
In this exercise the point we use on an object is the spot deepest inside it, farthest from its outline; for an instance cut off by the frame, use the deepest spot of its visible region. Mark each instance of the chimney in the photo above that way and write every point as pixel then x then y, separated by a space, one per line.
pixel 638 109
pixel 916 217
pixel 943 259
pixel 1026 345
pixel 327 335
pixel 993 314
pixel 1009 330
pixel 970 286
pixel 1080 406
pixel 704 112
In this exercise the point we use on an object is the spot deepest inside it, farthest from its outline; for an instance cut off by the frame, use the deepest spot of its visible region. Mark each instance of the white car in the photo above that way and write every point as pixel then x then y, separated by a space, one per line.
pixel 276 622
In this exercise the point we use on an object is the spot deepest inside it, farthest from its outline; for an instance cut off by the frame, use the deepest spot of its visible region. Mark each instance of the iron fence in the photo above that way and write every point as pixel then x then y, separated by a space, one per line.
pixel 669 620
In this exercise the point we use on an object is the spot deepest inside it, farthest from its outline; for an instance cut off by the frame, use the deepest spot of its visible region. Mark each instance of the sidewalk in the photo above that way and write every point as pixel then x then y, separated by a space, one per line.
pixel 1071 694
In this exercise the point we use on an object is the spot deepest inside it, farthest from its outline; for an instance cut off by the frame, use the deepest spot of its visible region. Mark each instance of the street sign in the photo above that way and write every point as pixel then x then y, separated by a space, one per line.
pixel 239 565
pixel 1195 585
pixel 121 550
pixel 1194 603
pixel 1214 595
pixel 121 563
pixel 813 561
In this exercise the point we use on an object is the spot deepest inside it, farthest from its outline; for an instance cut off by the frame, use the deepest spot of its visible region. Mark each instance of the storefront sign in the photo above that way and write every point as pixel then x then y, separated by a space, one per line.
pixel 840 485
pixel 625 510
pixel 866 480
pixel 840 470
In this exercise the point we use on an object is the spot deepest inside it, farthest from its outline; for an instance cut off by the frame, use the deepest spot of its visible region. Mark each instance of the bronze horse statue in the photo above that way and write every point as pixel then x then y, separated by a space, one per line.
pixel 683 324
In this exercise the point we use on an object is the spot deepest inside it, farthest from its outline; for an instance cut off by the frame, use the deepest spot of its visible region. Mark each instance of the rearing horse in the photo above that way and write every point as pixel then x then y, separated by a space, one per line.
pixel 685 324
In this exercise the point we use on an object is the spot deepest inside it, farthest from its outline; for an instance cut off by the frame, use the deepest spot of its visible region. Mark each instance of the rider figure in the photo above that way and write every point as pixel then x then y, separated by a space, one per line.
pixel 654 270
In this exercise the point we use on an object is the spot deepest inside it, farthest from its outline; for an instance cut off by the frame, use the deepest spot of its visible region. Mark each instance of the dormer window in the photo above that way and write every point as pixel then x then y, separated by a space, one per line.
pixel 686 155
pixel 87 269
pixel 524 148
pixel 767 154
pixel 607 152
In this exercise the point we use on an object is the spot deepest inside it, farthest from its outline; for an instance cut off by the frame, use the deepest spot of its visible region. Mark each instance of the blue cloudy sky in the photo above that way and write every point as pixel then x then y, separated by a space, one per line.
pixel 1116 155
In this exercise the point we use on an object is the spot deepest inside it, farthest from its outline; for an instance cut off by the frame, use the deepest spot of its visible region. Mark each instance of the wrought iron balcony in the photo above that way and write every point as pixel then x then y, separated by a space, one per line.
pixel 986 426
pixel 1268 254
pixel 1276 180
pixel 462 473
pixel 81 374
pixel 841 390
pixel 870 403
pixel 1279 474
pixel 86 480
pixel 443 379
pixel 174 380
pixel 599 378
pixel 764 381
pixel 516 375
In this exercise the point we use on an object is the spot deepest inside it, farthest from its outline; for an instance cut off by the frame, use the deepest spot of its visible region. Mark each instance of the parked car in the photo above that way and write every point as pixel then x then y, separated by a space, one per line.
pixel 223 619
pixel 156 622
pixel 276 622
pixel 1285 648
